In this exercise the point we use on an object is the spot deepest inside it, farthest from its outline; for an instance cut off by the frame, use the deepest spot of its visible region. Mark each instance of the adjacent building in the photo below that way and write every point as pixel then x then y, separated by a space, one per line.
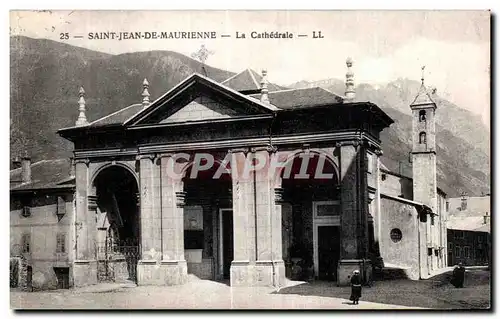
pixel 41 222
pixel 469 231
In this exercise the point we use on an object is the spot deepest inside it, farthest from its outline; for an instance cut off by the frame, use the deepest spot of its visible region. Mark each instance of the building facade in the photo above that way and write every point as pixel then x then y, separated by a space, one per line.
pixel 247 182
pixel 41 215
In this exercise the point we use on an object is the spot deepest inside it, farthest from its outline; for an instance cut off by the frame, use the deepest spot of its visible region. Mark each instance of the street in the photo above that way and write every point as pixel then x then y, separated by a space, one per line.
pixel 204 294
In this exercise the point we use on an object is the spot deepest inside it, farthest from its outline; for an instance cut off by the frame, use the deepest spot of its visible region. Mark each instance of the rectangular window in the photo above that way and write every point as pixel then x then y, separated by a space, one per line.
pixel 447 206
pixel 432 220
pixel 459 234
pixel 370 162
pixel 26 243
pixel 466 252
pixel 61 243
pixel 450 246
pixel 61 206
pixel 324 210
pixel 429 251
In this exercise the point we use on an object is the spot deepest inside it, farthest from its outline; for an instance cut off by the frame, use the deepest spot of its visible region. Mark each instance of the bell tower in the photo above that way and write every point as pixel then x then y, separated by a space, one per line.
pixel 424 147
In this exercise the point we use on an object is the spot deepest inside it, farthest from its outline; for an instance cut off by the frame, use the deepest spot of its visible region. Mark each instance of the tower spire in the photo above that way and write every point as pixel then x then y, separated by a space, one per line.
pixel 145 93
pixel 422 78
pixel 423 97
pixel 349 81
pixel 82 119
pixel 264 91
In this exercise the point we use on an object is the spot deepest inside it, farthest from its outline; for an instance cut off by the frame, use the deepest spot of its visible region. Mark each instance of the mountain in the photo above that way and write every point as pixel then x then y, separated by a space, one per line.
pixel 463 153
pixel 46 76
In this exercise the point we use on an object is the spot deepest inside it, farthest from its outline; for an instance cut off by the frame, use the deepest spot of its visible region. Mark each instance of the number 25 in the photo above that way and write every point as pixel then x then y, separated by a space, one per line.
pixel 63 36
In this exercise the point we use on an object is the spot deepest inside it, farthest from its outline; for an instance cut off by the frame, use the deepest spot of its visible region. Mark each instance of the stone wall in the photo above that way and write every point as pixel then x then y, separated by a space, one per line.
pixel 19 273
pixel 403 253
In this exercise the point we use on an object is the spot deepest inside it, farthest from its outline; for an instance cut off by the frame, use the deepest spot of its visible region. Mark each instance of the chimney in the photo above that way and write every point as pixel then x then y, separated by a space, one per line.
pixel 264 97
pixel 26 168
pixel 349 81
pixel 145 93
pixel 16 162
pixel 486 218
pixel 72 166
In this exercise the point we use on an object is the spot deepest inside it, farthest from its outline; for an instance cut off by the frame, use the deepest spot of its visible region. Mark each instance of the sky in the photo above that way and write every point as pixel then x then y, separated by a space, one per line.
pixel 385 45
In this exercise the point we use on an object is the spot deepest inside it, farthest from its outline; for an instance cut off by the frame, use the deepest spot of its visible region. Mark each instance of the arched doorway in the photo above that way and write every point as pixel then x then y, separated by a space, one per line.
pixel 311 217
pixel 208 226
pixel 118 224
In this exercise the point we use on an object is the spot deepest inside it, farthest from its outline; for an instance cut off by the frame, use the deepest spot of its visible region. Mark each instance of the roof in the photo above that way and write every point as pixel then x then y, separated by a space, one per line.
pixel 119 116
pixel 476 206
pixel 384 169
pixel 426 208
pixel 46 174
pixel 469 223
pixel 301 98
pixel 192 79
pixel 423 97
pixel 248 80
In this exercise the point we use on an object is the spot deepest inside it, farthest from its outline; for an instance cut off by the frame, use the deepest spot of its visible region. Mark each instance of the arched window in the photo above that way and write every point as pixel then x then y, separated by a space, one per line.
pixel 422 116
pixel 422 138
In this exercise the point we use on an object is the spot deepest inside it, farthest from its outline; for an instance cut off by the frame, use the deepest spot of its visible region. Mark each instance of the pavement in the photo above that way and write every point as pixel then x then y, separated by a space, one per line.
pixel 435 293
pixel 196 294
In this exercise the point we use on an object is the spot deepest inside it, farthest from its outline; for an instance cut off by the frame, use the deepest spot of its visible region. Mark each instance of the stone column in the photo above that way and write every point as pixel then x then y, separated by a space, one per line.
pixel 242 271
pixel 269 265
pixel 84 266
pixel 353 218
pixel 150 220
pixel 173 263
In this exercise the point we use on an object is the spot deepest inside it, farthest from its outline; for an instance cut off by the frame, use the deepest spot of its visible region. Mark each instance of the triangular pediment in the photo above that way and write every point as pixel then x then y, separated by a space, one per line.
pixel 199 98
pixel 202 108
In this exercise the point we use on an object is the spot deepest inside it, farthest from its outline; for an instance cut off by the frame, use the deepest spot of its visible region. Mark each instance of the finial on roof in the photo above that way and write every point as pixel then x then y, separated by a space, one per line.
pixel 349 81
pixel 264 96
pixel 145 93
pixel 82 119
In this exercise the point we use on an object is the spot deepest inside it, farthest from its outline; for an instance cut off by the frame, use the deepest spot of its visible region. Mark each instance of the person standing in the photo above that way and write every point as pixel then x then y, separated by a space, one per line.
pixel 458 276
pixel 355 287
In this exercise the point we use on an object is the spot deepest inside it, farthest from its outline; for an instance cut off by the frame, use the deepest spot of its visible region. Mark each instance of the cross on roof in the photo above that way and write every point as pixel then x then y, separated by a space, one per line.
pixel 202 55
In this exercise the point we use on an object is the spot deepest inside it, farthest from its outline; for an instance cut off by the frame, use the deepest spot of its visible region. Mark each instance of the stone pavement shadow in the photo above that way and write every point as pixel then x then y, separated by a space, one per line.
pixel 436 292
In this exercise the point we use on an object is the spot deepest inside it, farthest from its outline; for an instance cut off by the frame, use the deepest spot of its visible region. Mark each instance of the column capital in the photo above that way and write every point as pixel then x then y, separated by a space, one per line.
pixel 85 161
pixel 355 143
pixel 268 148
pixel 146 156
pixel 243 150
pixel 162 155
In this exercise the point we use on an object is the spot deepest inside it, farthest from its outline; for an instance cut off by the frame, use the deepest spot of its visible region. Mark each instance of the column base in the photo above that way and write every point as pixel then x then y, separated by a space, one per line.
pixel 84 273
pixel 347 266
pixel 161 273
pixel 261 274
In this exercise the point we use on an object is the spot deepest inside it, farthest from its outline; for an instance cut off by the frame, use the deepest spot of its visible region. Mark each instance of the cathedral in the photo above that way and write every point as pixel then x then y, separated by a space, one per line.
pixel 245 181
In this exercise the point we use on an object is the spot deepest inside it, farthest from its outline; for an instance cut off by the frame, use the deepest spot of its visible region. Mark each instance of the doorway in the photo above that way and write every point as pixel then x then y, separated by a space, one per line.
pixel 29 278
pixel 226 241
pixel 62 275
pixel 328 252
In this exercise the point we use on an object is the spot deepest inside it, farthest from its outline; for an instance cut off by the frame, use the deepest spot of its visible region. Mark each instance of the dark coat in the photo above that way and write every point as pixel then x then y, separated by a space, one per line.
pixel 355 287
pixel 458 277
